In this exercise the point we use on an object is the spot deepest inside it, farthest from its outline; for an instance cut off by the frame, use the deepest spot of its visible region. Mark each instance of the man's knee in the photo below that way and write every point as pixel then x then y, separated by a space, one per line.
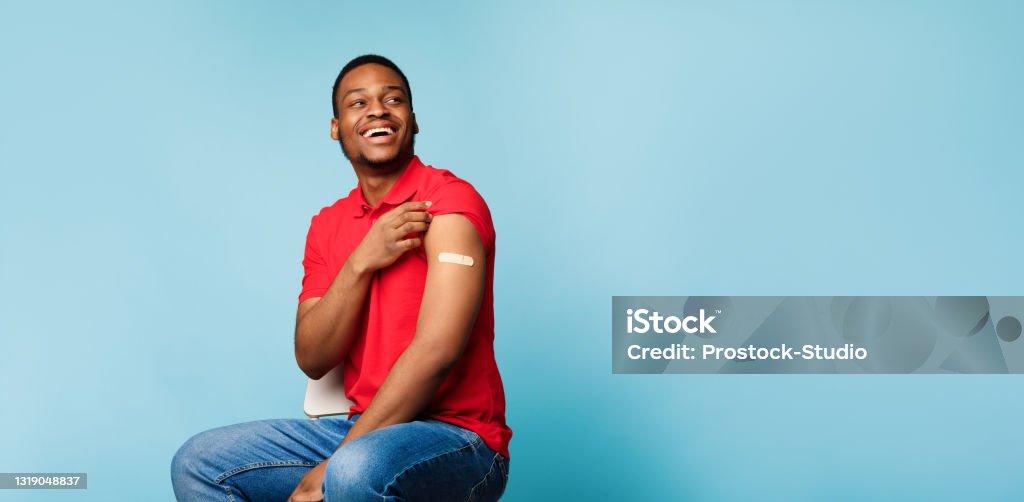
pixel 355 472
pixel 187 460
pixel 200 459
pixel 185 467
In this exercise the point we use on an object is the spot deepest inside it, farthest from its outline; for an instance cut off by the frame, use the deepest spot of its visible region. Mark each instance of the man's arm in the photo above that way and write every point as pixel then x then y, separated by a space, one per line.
pixel 330 321
pixel 326 326
pixel 451 301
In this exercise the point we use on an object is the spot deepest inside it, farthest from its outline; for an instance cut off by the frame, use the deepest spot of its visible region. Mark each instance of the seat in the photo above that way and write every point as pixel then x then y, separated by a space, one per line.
pixel 326 397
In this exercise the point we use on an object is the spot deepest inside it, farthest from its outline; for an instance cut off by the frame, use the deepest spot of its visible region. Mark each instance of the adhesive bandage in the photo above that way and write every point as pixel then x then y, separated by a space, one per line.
pixel 455 258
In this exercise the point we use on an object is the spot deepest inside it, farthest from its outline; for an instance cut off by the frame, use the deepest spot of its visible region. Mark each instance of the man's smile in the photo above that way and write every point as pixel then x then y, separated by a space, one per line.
pixel 379 133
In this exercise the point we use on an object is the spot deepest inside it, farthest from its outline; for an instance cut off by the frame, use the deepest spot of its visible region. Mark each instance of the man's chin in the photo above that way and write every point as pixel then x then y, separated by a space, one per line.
pixel 382 161
pixel 379 162
pixel 387 161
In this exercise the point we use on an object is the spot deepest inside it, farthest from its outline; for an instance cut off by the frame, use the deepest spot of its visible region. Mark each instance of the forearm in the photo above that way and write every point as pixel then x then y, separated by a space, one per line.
pixel 324 334
pixel 407 390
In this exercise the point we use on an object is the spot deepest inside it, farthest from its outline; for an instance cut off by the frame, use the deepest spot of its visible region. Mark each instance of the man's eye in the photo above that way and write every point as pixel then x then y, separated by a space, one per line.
pixel 358 102
pixel 394 100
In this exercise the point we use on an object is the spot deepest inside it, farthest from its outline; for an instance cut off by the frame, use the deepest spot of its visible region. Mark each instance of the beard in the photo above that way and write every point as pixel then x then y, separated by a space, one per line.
pixel 401 156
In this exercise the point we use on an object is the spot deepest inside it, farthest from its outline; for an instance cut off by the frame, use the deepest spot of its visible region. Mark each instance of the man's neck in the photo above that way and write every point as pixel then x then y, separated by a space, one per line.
pixel 376 181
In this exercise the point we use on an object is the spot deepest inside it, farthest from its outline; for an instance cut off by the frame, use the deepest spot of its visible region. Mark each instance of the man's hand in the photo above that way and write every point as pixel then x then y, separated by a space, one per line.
pixel 386 240
pixel 309 489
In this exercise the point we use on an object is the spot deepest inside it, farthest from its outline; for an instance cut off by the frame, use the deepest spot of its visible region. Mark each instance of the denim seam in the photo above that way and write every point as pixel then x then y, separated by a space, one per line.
pixel 258 465
pixel 472 444
pixel 503 462
pixel 487 476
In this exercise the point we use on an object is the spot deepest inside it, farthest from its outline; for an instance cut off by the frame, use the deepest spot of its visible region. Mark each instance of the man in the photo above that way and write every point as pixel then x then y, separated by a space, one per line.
pixel 397 287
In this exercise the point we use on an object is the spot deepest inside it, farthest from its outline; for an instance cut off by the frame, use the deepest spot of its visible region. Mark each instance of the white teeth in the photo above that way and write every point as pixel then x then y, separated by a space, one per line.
pixel 371 132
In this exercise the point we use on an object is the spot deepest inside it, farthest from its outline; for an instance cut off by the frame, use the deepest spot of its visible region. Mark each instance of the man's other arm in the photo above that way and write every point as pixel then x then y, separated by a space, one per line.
pixel 326 326
pixel 451 301
pixel 331 320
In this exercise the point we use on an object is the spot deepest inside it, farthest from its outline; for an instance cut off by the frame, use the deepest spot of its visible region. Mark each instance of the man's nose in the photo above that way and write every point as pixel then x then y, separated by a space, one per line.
pixel 376 109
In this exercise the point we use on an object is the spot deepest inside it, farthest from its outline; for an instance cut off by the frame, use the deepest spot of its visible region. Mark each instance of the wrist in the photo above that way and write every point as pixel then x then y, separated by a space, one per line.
pixel 356 269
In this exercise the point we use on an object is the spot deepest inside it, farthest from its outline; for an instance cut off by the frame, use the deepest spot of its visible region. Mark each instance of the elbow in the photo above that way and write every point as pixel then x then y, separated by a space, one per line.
pixel 307 360
pixel 311 370
pixel 436 356
pixel 440 362
pixel 313 363
pixel 447 362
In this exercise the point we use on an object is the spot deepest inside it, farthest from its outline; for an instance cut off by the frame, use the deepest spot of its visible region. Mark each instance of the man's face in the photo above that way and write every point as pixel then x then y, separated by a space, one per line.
pixel 375 124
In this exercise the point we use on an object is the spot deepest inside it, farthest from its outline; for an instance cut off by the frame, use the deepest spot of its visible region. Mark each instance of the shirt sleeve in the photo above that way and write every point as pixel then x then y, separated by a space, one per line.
pixel 316 278
pixel 459 197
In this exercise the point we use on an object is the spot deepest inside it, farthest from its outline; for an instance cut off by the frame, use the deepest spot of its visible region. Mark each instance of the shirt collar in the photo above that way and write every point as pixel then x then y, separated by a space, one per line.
pixel 403 189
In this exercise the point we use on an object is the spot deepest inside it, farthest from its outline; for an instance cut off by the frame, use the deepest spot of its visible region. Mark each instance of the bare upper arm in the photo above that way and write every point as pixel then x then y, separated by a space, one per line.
pixel 453 291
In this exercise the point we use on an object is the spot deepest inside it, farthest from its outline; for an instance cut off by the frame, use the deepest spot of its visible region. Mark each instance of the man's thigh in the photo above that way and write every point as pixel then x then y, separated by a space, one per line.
pixel 261 460
pixel 420 460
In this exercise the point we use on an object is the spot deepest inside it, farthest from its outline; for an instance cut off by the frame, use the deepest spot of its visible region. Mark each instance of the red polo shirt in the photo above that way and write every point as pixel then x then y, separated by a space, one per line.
pixel 472 395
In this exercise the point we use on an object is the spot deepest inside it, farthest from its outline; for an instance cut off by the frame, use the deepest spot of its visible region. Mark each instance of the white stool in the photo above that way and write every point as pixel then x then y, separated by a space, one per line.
pixel 326 397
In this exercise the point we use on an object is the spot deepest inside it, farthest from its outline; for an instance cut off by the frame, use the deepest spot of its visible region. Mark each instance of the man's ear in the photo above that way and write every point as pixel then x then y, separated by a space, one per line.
pixel 415 125
pixel 334 128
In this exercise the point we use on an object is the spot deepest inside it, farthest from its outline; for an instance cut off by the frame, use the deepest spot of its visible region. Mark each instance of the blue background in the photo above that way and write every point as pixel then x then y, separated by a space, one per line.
pixel 160 165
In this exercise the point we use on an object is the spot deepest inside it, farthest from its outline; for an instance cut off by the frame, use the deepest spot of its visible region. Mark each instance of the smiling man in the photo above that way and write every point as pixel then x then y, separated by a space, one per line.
pixel 398 288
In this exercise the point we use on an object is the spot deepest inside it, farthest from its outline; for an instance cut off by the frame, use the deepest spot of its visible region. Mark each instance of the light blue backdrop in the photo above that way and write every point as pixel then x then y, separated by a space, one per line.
pixel 160 164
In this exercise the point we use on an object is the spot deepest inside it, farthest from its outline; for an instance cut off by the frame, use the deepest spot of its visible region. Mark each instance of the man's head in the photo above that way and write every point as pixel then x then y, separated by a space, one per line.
pixel 373 118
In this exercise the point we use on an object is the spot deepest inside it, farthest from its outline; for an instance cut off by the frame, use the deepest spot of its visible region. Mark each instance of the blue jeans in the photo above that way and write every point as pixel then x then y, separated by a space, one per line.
pixel 264 460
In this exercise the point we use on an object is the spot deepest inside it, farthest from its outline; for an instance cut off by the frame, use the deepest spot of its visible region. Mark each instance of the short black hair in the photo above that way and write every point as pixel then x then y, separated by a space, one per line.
pixel 360 61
